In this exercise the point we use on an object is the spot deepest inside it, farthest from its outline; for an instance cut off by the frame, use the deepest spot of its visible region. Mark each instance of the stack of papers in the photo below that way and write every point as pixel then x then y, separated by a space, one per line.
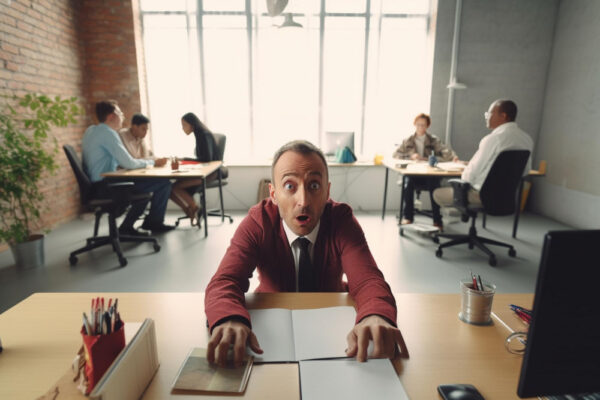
pixel 349 379
pixel 451 166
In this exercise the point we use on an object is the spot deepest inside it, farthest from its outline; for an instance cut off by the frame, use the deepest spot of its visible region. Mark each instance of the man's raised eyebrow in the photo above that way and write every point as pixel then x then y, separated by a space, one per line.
pixel 295 174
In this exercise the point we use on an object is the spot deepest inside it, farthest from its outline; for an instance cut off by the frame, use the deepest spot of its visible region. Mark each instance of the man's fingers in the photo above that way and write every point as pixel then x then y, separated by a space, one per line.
pixel 400 340
pixel 351 340
pixel 212 344
pixel 363 337
pixel 253 342
pixel 223 346
pixel 239 347
pixel 379 344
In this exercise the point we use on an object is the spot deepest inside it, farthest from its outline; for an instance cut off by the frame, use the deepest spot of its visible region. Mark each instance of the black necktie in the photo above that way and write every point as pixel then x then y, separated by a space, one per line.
pixel 305 267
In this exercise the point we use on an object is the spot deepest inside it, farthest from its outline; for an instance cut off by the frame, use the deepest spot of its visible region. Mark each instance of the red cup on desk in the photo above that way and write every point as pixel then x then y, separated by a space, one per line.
pixel 174 163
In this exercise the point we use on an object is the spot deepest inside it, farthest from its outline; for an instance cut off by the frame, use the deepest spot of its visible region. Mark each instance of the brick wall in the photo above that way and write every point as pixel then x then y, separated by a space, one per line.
pixel 82 48
pixel 110 65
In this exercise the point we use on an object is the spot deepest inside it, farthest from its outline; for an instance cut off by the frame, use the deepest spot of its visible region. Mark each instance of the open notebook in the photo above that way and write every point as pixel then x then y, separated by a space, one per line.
pixel 294 335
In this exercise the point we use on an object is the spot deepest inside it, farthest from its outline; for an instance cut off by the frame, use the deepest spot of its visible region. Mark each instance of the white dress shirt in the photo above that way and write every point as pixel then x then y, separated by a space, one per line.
pixel 507 136
pixel 295 246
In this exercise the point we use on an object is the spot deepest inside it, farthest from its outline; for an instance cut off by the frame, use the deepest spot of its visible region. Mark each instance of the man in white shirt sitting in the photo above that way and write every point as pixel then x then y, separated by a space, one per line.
pixel 505 135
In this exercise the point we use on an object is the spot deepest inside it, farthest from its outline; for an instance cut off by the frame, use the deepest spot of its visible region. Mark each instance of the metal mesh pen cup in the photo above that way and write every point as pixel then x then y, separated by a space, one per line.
pixel 476 305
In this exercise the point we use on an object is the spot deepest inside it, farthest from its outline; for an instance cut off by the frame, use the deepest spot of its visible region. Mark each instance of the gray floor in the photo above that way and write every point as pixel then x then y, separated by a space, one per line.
pixel 188 260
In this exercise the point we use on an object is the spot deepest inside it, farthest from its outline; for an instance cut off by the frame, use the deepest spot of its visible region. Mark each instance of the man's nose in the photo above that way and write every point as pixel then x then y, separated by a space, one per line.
pixel 302 197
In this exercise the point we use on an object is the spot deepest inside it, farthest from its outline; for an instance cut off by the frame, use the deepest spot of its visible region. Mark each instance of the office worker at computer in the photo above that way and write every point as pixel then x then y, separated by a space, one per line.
pixel 419 147
pixel 505 135
pixel 103 151
pixel 300 241
pixel 134 140
pixel 206 151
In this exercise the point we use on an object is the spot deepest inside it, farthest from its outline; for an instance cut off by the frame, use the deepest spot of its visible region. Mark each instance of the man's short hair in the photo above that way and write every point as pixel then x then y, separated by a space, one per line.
pixel 425 117
pixel 297 146
pixel 139 119
pixel 507 107
pixel 104 108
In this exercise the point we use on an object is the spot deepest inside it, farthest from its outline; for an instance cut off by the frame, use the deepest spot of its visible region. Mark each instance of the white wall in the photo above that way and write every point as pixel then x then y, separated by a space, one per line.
pixel 569 139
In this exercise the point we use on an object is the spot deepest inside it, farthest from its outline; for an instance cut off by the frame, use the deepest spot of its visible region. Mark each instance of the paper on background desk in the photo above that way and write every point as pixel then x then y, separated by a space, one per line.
pixel 349 379
pixel 451 166
pixel 294 335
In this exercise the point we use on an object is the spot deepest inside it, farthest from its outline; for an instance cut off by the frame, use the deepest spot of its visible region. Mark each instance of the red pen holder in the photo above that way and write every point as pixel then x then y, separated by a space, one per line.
pixel 100 352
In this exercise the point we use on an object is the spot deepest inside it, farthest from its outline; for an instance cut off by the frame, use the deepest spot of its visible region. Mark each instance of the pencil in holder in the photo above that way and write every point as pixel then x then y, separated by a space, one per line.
pixel 100 352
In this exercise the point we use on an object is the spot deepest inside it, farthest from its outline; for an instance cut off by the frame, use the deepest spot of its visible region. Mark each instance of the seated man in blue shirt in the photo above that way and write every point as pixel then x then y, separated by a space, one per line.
pixel 103 151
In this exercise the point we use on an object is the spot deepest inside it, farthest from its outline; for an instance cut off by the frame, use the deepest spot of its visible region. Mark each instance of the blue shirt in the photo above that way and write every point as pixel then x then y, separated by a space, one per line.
pixel 103 151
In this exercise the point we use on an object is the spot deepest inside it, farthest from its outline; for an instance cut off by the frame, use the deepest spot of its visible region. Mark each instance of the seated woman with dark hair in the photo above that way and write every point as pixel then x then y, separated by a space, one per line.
pixel 206 151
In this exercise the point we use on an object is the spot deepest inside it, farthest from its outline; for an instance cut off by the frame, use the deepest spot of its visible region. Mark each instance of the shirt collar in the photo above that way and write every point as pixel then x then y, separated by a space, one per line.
pixel 130 136
pixel 504 126
pixel 291 236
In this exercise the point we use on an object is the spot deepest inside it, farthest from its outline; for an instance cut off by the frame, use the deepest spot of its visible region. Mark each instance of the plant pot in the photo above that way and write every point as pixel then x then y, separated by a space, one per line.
pixel 29 254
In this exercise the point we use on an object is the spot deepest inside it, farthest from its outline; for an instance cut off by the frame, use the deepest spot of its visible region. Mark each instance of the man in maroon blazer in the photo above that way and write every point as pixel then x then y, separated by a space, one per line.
pixel 299 240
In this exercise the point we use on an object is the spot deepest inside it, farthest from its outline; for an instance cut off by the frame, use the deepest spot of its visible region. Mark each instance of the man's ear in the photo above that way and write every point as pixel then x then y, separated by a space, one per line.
pixel 272 193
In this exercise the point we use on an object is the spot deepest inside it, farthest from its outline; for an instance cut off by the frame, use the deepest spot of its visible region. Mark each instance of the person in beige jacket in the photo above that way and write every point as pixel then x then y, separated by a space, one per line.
pixel 419 147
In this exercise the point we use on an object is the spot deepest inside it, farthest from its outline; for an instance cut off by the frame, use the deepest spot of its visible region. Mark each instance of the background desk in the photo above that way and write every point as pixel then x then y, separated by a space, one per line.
pixel 427 171
pixel 41 337
pixel 198 171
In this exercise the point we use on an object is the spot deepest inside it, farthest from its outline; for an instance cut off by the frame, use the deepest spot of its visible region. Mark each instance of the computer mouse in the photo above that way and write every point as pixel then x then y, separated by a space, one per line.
pixel 459 392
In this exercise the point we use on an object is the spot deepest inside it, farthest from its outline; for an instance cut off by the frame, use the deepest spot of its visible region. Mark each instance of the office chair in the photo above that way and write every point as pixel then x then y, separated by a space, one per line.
pixel 121 198
pixel 220 181
pixel 222 174
pixel 498 195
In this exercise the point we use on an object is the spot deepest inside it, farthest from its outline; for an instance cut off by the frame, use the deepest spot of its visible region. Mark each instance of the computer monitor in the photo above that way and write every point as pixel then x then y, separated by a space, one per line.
pixel 337 140
pixel 562 355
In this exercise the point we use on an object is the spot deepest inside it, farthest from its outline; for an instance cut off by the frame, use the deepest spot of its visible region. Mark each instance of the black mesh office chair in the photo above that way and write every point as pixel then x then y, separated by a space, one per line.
pixel 498 197
pixel 222 174
pixel 121 198
pixel 217 179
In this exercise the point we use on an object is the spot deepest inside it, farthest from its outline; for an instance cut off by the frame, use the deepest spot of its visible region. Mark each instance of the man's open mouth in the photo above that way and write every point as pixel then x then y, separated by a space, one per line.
pixel 302 218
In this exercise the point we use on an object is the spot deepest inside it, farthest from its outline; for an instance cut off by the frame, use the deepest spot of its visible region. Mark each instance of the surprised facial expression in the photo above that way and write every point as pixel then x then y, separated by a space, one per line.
pixel 300 189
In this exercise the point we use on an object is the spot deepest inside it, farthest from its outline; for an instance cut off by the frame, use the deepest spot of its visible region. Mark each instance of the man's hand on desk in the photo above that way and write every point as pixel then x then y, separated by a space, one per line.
pixel 160 162
pixel 417 157
pixel 229 333
pixel 384 335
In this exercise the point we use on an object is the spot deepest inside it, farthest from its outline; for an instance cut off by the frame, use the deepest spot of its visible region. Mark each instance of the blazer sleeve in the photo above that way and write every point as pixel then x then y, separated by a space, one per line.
pixel 224 295
pixel 404 150
pixel 366 283
pixel 442 150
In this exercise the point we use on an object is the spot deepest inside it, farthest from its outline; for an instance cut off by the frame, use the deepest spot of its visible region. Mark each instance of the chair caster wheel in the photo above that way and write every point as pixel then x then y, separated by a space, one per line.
pixel 122 261
pixel 471 246
pixel 177 223
pixel 72 260
pixel 512 252
pixel 492 261
pixel 401 232
pixel 231 220
pixel 156 247
pixel 436 239
pixel 438 253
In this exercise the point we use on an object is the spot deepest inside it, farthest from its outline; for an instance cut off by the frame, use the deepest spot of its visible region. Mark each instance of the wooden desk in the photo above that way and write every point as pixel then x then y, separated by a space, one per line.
pixel 186 171
pixel 41 336
pixel 422 169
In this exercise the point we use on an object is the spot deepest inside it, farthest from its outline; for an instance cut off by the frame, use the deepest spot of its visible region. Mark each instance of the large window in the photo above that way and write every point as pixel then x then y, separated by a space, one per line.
pixel 358 66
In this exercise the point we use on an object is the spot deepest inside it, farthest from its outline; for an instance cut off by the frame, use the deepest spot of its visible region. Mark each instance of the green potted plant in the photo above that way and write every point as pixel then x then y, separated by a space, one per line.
pixel 27 152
